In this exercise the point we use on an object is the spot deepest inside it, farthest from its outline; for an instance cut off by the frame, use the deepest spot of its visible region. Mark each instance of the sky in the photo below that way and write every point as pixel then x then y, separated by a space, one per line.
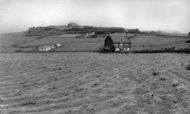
pixel 165 15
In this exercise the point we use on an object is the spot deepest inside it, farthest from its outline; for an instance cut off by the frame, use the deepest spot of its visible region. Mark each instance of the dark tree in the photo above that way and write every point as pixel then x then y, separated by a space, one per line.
pixel 189 35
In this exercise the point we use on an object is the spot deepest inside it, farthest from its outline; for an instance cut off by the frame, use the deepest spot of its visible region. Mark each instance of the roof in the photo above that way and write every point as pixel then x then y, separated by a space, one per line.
pixel 119 38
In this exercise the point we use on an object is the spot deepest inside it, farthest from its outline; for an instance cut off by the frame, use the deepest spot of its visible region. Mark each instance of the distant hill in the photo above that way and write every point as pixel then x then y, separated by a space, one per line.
pixel 170 34
pixel 71 28
pixel 74 37
pixel 158 33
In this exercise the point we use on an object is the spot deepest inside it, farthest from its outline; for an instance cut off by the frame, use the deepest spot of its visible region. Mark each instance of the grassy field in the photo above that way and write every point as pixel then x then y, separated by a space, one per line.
pixel 92 83
pixel 18 42
pixel 153 42
pixel 10 42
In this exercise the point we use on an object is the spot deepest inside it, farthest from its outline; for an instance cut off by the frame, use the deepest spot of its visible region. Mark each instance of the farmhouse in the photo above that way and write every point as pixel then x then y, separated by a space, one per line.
pixel 117 43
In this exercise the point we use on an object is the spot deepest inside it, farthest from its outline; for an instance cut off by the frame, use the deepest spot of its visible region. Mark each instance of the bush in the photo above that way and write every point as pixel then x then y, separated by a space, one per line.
pixel 188 67
pixel 101 49
pixel 188 41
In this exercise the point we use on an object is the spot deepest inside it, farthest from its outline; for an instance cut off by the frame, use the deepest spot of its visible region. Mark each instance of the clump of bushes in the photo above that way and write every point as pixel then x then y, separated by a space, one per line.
pixel 188 41
pixel 155 73
pixel 188 67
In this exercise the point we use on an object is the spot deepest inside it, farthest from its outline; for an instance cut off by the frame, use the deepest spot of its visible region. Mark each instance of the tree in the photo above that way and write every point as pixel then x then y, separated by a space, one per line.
pixel 189 35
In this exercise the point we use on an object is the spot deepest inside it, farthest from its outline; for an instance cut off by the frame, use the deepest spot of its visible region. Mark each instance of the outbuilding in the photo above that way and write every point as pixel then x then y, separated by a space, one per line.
pixel 117 43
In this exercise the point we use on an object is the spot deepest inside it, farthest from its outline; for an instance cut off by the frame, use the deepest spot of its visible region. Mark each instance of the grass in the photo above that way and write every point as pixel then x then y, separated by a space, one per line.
pixel 10 41
pixel 188 67
pixel 156 41
pixel 140 43
pixel 93 83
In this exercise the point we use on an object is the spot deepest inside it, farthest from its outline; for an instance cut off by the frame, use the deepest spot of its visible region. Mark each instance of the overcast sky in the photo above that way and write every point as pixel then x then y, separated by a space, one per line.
pixel 167 15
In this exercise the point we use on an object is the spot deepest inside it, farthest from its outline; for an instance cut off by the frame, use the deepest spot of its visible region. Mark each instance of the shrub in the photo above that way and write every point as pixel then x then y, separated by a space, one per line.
pixel 188 41
pixel 101 49
pixel 155 73
pixel 188 67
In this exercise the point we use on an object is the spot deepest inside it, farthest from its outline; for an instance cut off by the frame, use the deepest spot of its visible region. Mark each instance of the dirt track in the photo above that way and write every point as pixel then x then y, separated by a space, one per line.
pixel 88 83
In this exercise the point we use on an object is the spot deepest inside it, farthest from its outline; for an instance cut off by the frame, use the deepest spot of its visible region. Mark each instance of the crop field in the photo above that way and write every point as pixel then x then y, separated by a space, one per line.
pixel 92 83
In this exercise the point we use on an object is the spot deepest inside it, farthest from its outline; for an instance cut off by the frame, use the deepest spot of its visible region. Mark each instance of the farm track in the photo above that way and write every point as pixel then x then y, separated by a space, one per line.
pixel 80 83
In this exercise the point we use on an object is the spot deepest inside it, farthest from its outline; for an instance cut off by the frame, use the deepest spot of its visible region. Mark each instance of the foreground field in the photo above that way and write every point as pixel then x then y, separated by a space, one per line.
pixel 91 83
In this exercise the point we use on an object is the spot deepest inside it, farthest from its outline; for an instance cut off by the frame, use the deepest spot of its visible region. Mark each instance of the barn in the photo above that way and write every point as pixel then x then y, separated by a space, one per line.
pixel 117 43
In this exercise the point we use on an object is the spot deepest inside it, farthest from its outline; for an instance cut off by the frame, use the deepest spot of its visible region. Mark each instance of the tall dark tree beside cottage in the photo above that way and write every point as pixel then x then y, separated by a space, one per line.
pixel 108 45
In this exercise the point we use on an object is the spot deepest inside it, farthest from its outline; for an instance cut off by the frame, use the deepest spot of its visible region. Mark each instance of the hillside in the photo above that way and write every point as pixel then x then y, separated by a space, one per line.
pixel 10 42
